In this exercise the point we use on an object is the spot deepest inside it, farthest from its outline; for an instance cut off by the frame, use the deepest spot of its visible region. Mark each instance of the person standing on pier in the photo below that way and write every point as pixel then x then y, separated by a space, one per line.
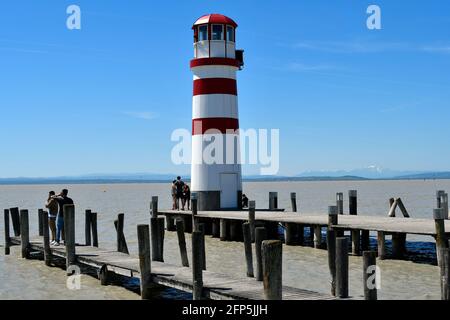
pixel 186 197
pixel 174 195
pixel 179 183
pixel 62 200
pixel 52 206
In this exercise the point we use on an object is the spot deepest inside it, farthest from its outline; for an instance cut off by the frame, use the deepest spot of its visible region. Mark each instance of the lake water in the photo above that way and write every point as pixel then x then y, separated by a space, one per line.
pixel 304 267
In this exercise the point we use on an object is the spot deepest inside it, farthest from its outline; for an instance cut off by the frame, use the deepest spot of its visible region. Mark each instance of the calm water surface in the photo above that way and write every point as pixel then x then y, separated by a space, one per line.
pixel 304 267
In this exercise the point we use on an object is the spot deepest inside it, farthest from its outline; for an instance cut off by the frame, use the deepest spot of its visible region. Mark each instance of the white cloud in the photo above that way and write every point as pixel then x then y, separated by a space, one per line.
pixel 145 115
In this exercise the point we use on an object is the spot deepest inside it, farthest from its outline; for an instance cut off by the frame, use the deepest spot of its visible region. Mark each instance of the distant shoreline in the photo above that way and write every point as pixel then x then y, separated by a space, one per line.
pixel 12 182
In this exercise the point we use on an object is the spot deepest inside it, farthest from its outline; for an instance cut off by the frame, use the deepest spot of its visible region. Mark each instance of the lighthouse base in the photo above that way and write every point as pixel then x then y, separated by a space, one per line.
pixel 210 201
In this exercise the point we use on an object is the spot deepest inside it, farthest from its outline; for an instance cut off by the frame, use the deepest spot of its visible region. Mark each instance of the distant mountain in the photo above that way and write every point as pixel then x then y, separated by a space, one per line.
pixel 371 172
pixel 426 175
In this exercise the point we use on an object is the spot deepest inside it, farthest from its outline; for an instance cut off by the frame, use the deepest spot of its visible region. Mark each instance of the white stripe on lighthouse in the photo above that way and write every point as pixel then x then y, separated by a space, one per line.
pixel 212 71
pixel 215 106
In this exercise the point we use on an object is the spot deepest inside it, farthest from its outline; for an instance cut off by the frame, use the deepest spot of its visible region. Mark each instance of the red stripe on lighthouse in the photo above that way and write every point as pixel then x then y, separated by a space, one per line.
pixel 214 61
pixel 200 126
pixel 215 86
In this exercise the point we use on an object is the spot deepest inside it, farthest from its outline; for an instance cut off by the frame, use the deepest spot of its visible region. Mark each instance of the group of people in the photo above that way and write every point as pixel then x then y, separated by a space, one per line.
pixel 180 191
pixel 55 205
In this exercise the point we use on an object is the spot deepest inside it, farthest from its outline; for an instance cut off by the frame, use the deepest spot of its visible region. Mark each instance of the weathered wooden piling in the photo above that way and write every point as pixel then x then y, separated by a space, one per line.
pixel 157 238
pixel 342 267
pixel 398 245
pixel 103 275
pixel 444 205
pixel 381 245
pixel 353 210
pixel 46 239
pixel 15 219
pixel 260 236
pixel 272 257
pixel 248 248
pixel 154 207
pixel 234 230
pixel 402 208
pixel 445 274
pixel 69 229
pixel 7 234
pixel 317 237
pixel 94 229
pixel 370 275
pixel 340 202
pixel 197 265
pixel 120 236
pixel 88 227
pixel 170 223
pixel 365 240
pixel 441 239
pixel 273 200
pixel 392 207
pixel 24 233
pixel 215 228
pixel 291 229
pixel 439 194
pixel 182 242
pixel 223 229
pixel 40 221
pixel 331 245
pixel 145 264
pixel 202 228
pixel 251 218
pixel 194 207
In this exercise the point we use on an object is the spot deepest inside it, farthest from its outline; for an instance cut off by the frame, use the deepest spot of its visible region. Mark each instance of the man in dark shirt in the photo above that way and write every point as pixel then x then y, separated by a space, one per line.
pixel 179 184
pixel 62 200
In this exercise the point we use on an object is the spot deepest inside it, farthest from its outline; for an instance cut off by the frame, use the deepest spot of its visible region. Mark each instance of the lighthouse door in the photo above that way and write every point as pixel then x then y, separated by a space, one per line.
pixel 228 193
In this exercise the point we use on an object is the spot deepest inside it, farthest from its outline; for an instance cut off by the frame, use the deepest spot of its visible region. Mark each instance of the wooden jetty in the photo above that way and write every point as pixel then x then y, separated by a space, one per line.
pixel 204 284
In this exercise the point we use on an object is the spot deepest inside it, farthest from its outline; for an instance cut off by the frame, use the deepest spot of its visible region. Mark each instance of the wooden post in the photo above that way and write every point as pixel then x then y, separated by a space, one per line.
pixel 273 200
pixel 353 210
pixel 94 229
pixel 248 249
pixel 103 275
pixel 24 233
pixel 145 264
pixel 215 228
pixel 439 194
pixel 154 207
pixel 197 265
pixel 201 228
pixel 291 229
pixel 45 231
pixel 223 230
pixel 342 267
pixel 194 208
pixel 170 223
pixel 381 244
pixel 441 241
pixel 272 256
pixel 398 245
pixel 251 218
pixel 182 242
pixel 7 234
pixel 392 207
pixel 402 208
pixel 331 245
pixel 365 240
pixel 294 201
pixel 317 237
pixel 340 202
pixel 40 218
pixel 260 236
pixel 15 218
pixel 69 229
pixel 157 238
pixel 369 275
pixel 444 204
pixel 445 274
pixel 87 227
pixel 234 230
pixel 121 241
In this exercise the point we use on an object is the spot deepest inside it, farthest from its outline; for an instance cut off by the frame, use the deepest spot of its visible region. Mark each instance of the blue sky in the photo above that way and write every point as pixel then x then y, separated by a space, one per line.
pixel 106 98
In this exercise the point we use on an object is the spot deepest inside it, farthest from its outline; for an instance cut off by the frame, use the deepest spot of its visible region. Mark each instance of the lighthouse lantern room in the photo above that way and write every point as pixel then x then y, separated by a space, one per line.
pixel 218 184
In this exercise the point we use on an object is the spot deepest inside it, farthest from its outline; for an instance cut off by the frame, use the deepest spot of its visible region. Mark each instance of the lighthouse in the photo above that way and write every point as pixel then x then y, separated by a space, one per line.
pixel 215 120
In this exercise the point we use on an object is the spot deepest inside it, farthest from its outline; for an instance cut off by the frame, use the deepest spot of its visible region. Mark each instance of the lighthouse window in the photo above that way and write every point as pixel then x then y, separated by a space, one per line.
pixel 217 32
pixel 230 33
pixel 202 33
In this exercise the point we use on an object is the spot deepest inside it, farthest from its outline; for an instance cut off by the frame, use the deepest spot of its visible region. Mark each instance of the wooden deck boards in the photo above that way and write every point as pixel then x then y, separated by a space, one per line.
pixel 216 285
pixel 370 223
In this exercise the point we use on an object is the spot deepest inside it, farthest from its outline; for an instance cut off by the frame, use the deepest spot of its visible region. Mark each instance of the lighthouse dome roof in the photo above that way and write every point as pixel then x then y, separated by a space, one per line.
pixel 215 18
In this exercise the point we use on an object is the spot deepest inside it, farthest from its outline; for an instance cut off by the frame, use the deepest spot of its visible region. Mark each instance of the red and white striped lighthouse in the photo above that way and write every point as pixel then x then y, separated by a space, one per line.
pixel 218 185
